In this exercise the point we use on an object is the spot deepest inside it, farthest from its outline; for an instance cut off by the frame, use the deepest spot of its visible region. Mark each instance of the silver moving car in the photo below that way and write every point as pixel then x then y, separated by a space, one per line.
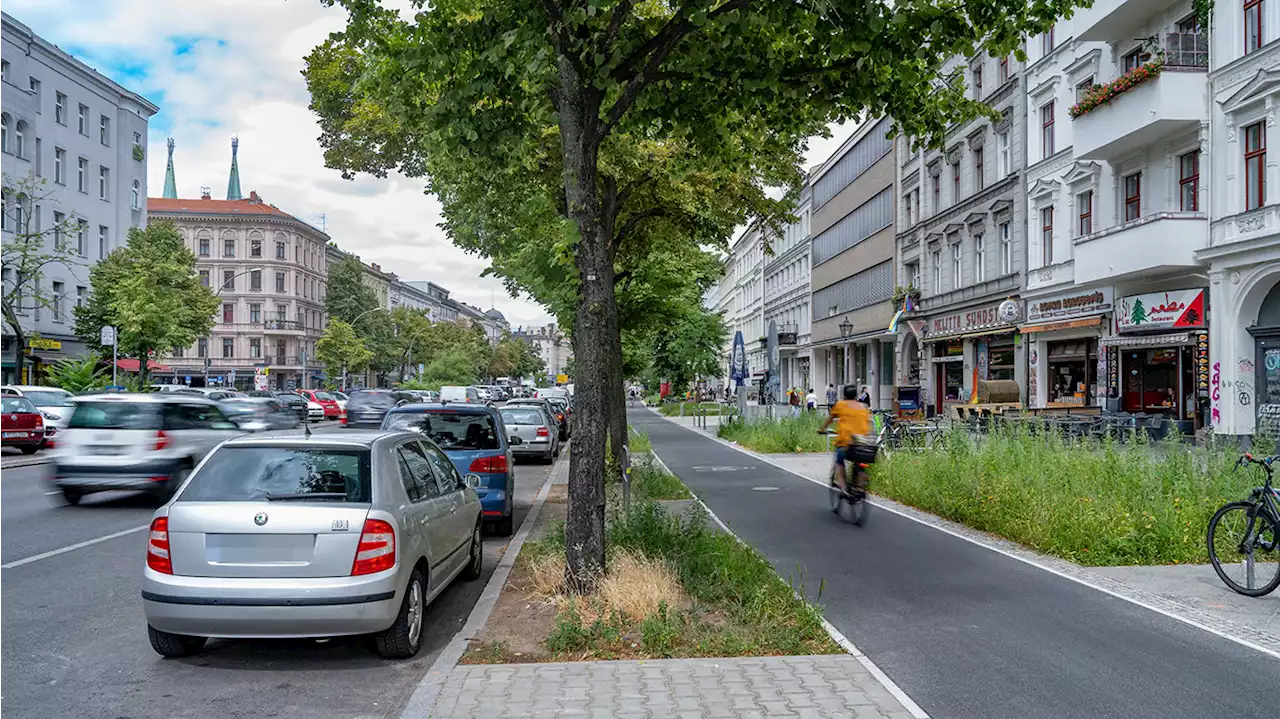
pixel 536 428
pixel 136 441
pixel 320 536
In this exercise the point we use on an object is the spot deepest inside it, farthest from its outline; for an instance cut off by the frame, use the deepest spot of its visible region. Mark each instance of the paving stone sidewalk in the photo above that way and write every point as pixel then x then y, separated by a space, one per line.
pixel 816 686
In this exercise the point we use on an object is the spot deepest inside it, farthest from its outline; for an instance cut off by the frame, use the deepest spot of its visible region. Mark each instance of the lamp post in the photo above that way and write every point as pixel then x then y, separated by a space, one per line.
pixel 846 329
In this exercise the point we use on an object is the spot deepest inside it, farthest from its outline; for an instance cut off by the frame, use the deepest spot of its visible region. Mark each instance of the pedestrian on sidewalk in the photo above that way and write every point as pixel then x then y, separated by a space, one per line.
pixel 793 399
pixel 831 395
pixel 811 401
pixel 865 396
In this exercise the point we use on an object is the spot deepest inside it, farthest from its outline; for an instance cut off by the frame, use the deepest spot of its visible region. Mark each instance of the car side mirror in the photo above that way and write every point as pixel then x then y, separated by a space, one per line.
pixel 514 440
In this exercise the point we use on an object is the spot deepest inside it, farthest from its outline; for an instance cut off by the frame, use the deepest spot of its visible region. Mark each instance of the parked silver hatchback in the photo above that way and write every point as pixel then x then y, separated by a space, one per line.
pixel 310 537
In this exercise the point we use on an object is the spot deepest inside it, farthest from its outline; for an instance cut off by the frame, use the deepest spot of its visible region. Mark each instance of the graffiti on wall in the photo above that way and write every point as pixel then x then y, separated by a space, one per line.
pixel 1215 394
pixel 1244 365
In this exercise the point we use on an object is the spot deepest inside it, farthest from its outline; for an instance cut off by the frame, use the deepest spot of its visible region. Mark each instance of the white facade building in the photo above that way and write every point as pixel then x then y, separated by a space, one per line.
pixel 739 297
pixel 85 138
pixel 786 298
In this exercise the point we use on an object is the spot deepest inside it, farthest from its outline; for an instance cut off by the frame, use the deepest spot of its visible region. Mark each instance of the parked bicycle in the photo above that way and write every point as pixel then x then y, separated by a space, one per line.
pixel 1243 535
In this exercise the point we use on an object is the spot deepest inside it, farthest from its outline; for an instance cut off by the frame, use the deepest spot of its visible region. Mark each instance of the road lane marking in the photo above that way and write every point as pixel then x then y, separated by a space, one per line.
pixel 999 550
pixel 72 547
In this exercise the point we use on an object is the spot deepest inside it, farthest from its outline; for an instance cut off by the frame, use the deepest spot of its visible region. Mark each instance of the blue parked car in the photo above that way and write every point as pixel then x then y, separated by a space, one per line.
pixel 475 439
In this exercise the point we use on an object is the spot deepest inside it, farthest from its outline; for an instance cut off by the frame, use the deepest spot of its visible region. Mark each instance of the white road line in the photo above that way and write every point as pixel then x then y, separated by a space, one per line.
pixel 50 494
pixel 999 550
pixel 71 548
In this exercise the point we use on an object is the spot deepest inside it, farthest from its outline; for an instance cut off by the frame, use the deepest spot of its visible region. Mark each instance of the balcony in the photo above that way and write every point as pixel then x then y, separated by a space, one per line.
pixel 1116 21
pixel 1157 243
pixel 1051 276
pixel 283 327
pixel 1172 102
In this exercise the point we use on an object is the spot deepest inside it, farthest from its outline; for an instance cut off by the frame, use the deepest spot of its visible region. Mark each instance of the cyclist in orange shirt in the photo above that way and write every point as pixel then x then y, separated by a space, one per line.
pixel 853 431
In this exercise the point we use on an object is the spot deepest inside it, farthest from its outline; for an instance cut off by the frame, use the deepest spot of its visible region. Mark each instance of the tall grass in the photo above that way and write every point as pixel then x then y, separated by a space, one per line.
pixel 1095 503
pixel 639 441
pixel 785 434
pixel 672 409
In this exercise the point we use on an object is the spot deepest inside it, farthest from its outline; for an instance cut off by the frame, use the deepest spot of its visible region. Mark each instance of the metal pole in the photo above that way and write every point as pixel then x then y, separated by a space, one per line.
pixel 115 361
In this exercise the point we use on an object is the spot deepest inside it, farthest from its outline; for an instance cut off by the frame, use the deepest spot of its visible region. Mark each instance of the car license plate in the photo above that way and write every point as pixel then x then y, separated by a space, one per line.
pixel 15 435
pixel 102 450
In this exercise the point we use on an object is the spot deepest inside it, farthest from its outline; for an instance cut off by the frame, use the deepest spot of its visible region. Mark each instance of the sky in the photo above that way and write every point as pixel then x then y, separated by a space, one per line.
pixel 224 68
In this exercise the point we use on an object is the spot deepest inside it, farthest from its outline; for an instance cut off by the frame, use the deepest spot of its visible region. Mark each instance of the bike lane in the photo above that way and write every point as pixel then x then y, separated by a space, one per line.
pixel 967 632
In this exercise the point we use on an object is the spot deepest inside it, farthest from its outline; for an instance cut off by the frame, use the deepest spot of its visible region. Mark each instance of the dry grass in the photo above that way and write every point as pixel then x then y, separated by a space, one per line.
pixel 635 587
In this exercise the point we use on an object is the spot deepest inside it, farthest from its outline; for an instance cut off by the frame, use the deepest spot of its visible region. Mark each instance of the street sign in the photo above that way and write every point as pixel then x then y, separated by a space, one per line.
pixel 108 336
pixel 187 379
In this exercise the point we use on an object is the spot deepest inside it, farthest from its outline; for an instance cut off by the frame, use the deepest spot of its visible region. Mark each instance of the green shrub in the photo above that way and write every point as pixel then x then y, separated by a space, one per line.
pixel 649 481
pixel 775 436
pixel 77 374
pixel 639 442
pixel 673 409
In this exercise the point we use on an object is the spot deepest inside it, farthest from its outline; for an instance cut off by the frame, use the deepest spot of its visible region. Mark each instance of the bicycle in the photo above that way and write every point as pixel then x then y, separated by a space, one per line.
pixel 855 495
pixel 1235 555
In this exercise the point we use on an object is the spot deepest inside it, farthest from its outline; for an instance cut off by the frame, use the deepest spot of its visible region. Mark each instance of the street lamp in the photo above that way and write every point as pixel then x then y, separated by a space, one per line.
pixel 846 328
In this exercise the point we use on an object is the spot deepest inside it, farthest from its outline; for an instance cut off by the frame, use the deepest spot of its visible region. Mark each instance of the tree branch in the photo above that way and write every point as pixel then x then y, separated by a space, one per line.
pixel 615 24
pixel 633 221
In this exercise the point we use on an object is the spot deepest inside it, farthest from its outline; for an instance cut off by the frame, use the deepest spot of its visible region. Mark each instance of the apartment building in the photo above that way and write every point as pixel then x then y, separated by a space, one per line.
pixel 84 137
pixel 852 264
pixel 551 345
pixel 1116 313
pixel 740 299
pixel 786 297
pixel 961 240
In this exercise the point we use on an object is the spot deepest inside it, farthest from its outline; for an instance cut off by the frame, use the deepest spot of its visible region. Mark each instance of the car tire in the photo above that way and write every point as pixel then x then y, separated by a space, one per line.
pixel 403 638
pixel 476 563
pixel 174 645
pixel 165 490
pixel 503 527
pixel 70 496
pixel 29 449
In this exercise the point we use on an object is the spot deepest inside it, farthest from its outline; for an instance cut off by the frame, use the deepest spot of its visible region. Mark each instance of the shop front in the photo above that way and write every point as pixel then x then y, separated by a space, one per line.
pixel 1066 366
pixel 1157 361
pixel 965 349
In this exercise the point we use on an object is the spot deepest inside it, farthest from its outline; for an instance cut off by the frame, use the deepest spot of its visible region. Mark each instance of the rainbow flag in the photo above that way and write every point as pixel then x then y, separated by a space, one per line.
pixel 907 306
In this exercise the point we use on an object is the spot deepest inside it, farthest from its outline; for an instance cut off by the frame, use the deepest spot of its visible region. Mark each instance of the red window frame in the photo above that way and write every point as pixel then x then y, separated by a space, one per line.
pixel 1255 162
pixel 1189 176
pixel 1085 226
pixel 978 167
pixel 1046 234
pixel 1046 42
pixel 1133 196
pixel 1046 129
pixel 1254 8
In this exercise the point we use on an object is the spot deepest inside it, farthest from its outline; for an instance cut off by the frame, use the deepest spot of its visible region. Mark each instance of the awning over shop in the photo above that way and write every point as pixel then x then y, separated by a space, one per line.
pixel 132 365
pixel 1066 325
pixel 1176 338
pixel 852 339
pixel 967 335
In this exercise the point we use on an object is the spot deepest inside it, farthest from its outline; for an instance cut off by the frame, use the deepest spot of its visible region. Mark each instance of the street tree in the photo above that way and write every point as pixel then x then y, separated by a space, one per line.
pixel 480 82
pixel 341 350
pixel 30 252
pixel 688 347
pixel 528 363
pixel 347 295
pixel 148 289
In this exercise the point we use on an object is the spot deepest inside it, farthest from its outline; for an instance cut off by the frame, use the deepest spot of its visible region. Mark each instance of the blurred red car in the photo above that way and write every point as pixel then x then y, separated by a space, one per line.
pixel 332 410
pixel 22 426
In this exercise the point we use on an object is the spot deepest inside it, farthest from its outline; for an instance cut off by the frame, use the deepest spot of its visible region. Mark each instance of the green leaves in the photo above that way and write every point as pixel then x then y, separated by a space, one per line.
pixel 342 349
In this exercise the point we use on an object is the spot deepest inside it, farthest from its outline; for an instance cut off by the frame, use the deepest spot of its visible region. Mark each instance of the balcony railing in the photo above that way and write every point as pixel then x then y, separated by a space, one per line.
pixel 284 325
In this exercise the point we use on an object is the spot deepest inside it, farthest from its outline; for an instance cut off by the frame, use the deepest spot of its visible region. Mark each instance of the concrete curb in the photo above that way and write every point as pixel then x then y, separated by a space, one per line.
pixel 423 701
pixel 23 461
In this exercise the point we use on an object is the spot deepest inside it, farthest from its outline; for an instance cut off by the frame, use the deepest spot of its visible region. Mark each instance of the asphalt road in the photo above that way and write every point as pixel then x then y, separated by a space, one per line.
pixel 964 631
pixel 75 642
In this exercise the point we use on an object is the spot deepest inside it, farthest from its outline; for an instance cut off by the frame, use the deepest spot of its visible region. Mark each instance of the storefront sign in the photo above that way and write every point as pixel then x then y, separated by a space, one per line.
pixel 1179 309
pixel 1076 304
pixel 1202 365
pixel 975 320
pixel 40 343
pixel 1113 372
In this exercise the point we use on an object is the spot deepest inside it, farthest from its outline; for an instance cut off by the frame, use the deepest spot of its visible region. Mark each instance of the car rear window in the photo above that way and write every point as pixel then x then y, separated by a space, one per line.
pixel 323 396
pixel 450 430
pixel 522 416
pixel 255 474
pixel 371 399
pixel 115 415
pixel 48 398
pixel 17 404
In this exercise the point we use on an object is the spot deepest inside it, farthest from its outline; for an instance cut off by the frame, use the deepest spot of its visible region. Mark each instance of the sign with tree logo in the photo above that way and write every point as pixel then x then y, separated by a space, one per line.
pixel 1177 309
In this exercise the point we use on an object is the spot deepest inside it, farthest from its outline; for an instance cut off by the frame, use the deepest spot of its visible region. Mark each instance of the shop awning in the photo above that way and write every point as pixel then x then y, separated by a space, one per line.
pixel 1065 325
pixel 132 365
pixel 967 335
pixel 1176 338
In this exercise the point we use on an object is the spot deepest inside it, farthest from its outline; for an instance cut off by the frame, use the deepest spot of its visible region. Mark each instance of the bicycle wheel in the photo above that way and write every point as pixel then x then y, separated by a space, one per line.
pixel 834 495
pixel 1241 547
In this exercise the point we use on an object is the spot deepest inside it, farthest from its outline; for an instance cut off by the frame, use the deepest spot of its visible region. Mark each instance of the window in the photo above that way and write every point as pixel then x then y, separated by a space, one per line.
pixel 1046 130
pixel 280 352
pixel 228 347
pixel 38 159
pixel 1189 181
pixel 1132 60
pixel 978 181
pixel 860 158
pixel 282 313
pixel 1084 206
pixel 1046 235
pixel 912 272
pixel 255 348
pixel 59 290
pixel 20 139
pixel 82 179
pixel 228 280
pixel 1046 41
pixel 1083 87
pixel 955 265
pixel 955 182
pixel 59 239
pixel 204 246
pixel 937 270
pixel 1133 196
pixel 1006 250
pixel 255 248
pixel 82 294
pixel 937 194
pixel 4 133
pixel 104 179
pixel 102 241
pixel 228 313
pixel 255 313
pixel 1189 25
pixel 104 130
pixel 1252 25
pixel 1002 74
pixel 137 140
pixel 255 281
pixel 1002 154
pixel 906 202
pixel 279 250
pixel 136 196
pixel 1255 165
pixel 82 238
pixel 279 282
pixel 34 84
pixel 979 258
pixel 4 70
pixel 976 72
pixel 228 248
pixel 59 165
pixel 82 120
pixel 202 347
pixel 60 108
pixel 204 278
pixel 179 352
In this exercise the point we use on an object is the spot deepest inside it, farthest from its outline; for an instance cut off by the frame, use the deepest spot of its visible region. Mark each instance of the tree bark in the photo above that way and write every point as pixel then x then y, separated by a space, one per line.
pixel 19 342
pixel 618 438
pixel 595 325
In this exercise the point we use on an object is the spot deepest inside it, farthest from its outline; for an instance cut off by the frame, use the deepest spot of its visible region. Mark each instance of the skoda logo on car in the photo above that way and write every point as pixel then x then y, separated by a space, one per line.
pixel 260 518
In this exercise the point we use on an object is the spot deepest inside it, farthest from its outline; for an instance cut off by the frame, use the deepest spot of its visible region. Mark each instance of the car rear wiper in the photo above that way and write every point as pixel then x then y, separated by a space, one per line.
pixel 306 495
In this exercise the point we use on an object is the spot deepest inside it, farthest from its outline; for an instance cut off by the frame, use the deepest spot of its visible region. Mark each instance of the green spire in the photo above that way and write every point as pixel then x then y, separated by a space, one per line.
pixel 233 183
pixel 170 186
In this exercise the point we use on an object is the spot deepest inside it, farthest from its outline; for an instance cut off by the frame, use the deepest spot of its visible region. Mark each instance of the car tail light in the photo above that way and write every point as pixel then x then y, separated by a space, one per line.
pixel 162 439
pixel 496 463
pixel 542 432
pixel 559 417
pixel 39 421
pixel 377 550
pixel 343 418
pixel 158 546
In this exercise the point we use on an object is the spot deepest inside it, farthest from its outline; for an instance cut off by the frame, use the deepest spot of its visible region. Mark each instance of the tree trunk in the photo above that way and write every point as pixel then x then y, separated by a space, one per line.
pixel 19 343
pixel 595 325
pixel 618 439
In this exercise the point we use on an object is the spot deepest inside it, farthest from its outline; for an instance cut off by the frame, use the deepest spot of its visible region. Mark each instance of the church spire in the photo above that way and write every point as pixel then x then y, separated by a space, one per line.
pixel 233 183
pixel 170 186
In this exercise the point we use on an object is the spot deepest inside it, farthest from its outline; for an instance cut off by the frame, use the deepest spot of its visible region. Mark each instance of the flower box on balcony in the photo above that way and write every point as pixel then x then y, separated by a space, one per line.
pixel 1100 95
